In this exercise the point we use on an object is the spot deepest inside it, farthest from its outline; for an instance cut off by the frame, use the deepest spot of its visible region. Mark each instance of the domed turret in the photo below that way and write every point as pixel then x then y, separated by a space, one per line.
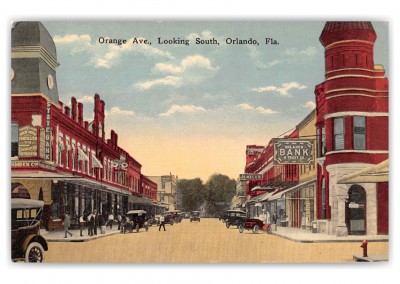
pixel 34 61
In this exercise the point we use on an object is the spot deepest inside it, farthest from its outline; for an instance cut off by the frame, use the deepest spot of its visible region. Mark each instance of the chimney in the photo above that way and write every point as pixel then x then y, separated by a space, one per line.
pixel 80 114
pixel 73 108
pixel 86 125
pixel 67 111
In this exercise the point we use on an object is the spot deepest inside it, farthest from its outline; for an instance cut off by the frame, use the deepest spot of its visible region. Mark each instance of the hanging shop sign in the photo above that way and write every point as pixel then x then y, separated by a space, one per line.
pixel 47 140
pixel 293 151
pixel 251 176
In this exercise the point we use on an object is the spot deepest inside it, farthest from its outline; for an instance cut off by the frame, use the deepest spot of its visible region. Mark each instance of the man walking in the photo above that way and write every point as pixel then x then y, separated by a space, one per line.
pixel 96 222
pixel 81 224
pixel 67 223
pixel 162 223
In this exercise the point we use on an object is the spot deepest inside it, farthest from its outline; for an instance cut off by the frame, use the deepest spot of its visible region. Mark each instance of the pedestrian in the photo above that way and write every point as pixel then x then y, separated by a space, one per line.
pixel 274 219
pixel 110 220
pixel 81 224
pixel 268 220
pixel 90 224
pixel 119 221
pixel 162 223
pixel 96 222
pixel 123 222
pixel 67 223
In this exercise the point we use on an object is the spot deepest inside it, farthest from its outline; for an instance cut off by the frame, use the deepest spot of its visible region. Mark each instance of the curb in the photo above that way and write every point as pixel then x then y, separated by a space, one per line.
pixel 85 239
pixel 327 241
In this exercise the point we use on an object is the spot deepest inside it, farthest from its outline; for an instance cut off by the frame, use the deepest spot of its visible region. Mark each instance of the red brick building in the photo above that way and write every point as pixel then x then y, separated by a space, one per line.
pixel 60 158
pixel 352 131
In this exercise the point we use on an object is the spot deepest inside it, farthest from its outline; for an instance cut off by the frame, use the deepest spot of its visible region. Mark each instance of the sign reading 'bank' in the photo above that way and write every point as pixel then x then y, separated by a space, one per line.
pixel 293 151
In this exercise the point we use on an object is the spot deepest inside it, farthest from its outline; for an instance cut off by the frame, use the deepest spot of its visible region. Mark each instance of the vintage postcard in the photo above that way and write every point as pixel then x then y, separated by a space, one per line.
pixel 199 142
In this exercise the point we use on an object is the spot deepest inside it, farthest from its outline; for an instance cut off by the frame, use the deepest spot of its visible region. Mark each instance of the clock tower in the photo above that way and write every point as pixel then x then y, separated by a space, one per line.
pixel 33 61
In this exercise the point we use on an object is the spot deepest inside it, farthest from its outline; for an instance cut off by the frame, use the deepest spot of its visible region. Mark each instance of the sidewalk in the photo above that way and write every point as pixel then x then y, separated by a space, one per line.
pixel 58 236
pixel 306 236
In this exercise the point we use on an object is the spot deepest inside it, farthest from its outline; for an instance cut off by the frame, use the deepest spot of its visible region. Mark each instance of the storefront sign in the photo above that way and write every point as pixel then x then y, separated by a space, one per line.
pixel 251 176
pixel 32 164
pixel 293 151
pixel 27 142
pixel 47 140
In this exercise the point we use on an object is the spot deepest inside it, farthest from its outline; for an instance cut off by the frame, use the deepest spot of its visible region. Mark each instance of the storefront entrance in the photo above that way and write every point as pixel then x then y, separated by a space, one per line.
pixel 355 210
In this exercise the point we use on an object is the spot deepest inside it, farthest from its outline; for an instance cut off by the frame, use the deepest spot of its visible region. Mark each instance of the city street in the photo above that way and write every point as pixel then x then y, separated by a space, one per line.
pixel 205 241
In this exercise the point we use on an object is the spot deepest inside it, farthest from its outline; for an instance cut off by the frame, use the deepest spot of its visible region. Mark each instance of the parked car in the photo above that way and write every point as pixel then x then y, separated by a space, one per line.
pixel 222 217
pixel 234 218
pixel 26 242
pixel 136 219
pixel 195 216
pixel 254 225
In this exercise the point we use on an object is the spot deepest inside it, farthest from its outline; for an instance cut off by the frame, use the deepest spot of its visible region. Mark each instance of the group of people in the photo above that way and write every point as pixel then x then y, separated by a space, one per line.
pixel 93 222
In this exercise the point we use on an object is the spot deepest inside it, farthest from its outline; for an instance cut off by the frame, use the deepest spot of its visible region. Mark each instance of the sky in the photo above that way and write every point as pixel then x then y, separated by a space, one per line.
pixel 192 109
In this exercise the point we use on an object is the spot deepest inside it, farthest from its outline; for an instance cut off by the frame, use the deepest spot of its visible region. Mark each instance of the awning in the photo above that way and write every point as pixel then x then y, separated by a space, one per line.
pixel 96 163
pixel 82 156
pixel 373 174
pixel 279 194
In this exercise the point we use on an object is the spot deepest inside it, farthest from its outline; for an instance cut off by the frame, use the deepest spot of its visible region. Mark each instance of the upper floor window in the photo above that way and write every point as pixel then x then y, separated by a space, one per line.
pixel 338 133
pixel 359 132
pixel 323 141
pixel 14 139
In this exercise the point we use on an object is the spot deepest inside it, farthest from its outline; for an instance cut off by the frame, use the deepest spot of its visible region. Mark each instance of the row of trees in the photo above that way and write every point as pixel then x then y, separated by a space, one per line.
pixel 213 197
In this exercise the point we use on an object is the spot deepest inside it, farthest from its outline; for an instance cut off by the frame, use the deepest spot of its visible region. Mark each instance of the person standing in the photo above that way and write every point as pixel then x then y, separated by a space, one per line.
pixel 119 221
pixel 110 220
pixel 162 223
pixel 67 223
pixel 96 222
pixel 81 224
pixel 91 224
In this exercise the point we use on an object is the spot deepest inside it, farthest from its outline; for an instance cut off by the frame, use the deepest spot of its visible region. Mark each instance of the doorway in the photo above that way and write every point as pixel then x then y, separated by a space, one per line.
pixel 356 211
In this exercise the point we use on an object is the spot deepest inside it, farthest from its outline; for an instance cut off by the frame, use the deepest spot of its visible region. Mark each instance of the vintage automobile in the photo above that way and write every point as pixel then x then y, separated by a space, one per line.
pixel 222 217
pixel 235 218
pixel 172 217
pixel 255 224
pixel 195 216
pixel 135 220
pixel 26 242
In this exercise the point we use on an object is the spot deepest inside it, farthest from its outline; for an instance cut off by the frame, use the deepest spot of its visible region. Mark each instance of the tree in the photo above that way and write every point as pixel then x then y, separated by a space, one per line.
pixel 219 191
pixel 192 191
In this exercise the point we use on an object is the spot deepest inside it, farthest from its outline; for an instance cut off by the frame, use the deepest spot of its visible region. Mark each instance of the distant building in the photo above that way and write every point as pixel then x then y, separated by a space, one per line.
pixel 166 190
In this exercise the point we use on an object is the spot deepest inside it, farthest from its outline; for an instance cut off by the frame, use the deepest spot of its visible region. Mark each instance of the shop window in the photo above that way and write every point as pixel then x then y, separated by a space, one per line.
pixel 14 139
pixel 359 132
pixel 56 202
pixel 338 133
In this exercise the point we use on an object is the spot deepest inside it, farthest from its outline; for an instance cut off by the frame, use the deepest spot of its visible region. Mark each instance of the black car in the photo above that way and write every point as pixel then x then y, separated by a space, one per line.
pixel 136 219
pixel 195 216
pixel 235 218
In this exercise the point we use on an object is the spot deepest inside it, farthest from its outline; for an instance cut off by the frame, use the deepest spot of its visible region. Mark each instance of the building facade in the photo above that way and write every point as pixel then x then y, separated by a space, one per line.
pixel 166 190
pixel 60 158
pixel 352 130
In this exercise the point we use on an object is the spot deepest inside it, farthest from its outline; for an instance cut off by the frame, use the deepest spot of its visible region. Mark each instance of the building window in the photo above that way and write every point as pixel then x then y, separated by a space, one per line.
pixel 338 133
pixel 323 196
pixel 73 157
pixel 318 142
pixel 323 142
pixel 14 139
pixel 359 132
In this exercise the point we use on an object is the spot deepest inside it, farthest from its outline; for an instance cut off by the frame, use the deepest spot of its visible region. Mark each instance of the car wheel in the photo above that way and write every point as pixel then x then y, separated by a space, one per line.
pixel 34 253
pixel 255 229
pixel 227 225
pixel 269 230
pixel 241 229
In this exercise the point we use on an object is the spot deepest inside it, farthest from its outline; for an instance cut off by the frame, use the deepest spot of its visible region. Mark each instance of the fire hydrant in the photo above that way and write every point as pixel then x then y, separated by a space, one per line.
pixel 364 245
